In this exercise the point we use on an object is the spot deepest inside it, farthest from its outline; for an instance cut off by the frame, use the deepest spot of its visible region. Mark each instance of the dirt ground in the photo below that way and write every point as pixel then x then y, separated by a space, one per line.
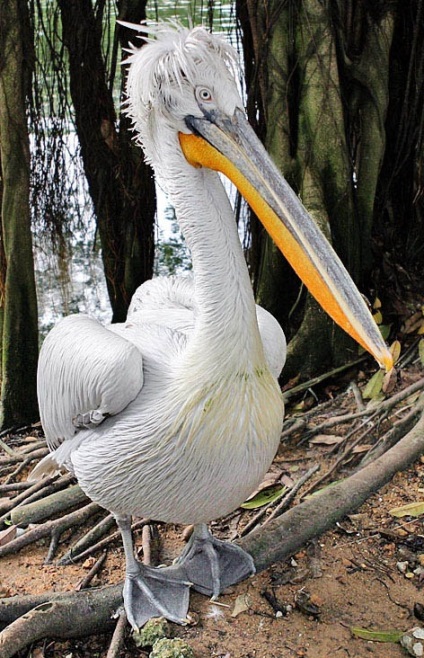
pixel 368 572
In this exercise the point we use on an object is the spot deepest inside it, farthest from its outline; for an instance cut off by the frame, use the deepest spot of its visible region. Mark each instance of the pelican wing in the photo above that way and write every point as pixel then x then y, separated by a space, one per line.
pixel 86 373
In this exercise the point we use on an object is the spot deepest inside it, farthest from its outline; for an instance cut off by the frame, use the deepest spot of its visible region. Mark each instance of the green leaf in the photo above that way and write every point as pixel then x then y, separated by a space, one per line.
pixel 264 497
pixel 373 388
pixel 410 509
pixel 377 636
pixel 385 330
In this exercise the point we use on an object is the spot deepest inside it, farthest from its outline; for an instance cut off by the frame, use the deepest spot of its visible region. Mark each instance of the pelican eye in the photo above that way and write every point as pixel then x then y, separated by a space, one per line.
pixel 204 95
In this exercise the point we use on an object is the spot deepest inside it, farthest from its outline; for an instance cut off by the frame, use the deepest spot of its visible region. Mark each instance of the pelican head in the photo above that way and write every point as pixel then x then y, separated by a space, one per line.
pixel 183 93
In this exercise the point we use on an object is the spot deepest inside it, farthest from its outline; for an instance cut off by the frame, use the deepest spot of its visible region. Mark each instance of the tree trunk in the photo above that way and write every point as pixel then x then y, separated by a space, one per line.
pixel 121 185
pixel 19 303
pixel 316 68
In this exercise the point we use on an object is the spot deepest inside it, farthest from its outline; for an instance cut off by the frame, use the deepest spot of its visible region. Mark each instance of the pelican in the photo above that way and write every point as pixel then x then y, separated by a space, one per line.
pixel 176 414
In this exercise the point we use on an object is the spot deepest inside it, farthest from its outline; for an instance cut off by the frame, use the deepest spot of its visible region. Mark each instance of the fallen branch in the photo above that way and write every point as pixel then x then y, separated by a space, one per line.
pixel 56 615
pixel 7 506
pixel 51 528
pixel 118 636
pixel 90 539
pixel 48 506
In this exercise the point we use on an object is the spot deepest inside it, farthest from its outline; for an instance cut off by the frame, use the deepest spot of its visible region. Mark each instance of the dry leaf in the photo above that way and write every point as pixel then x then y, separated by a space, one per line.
pixel 242 604
pixel 410 509
pixel 359 449
pixel 326 439
pixel 395 349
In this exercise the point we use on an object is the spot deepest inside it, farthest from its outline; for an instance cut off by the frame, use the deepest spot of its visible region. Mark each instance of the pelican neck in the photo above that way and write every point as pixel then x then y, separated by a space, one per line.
pixel 225 321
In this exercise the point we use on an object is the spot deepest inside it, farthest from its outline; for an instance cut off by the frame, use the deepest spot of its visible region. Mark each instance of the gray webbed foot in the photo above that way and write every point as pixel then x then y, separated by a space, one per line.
pixel 156 592
pixel 212 565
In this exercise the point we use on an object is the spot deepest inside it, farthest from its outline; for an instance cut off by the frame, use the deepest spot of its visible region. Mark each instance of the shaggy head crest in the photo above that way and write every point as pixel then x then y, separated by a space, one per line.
pixel 165 72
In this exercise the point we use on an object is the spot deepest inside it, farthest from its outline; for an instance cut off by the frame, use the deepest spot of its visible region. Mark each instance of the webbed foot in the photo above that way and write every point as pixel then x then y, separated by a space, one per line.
pixel 212 565
pixel 156 592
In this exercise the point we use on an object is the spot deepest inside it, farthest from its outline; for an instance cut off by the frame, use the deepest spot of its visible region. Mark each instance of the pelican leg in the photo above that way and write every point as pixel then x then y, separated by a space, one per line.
pixel 151 592
pixel 212 565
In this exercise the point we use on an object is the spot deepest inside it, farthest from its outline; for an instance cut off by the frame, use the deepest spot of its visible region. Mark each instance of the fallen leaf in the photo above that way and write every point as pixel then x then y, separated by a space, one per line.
pixel 378 318
pixel 395 349
pixel 373 389
pixel 359 449
pixel 264 497
pixel 385 330
pixel 377 636
pixel 241 604
pixel 326 439
pixel 410 509
pixel 377 303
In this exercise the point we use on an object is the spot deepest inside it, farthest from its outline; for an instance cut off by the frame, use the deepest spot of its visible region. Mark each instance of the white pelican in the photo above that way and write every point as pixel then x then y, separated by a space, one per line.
pixel 176 414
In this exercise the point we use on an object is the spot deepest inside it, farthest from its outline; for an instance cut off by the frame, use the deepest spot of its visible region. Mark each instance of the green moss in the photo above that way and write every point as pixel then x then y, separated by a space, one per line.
pixel 155 629
pixel 172 649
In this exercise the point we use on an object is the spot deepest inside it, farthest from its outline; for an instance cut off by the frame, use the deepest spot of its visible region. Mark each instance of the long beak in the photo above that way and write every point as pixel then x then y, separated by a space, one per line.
pixel 229 145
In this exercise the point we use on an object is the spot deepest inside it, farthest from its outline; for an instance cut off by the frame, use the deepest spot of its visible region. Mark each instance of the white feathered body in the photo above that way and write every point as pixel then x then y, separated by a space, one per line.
pixel 180 445
pixel 187 386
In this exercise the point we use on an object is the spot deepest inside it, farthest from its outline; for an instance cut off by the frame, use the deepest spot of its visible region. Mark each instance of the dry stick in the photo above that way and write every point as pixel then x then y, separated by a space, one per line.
pixel 339 461
pixel 105 542
pixel 9 451
pixel 16 486
pixel 301 388
pixel 92 536
pixel 56 527
pixel 62 482
pixel 84 582
pixel 283 499
pixel 384 406
pixel 399 429
pixel 20 457
pixel 88 612
pixel 118 636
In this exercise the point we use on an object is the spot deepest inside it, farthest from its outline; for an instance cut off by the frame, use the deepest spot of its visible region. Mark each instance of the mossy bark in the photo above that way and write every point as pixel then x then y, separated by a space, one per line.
pixel 19 303
pixel 324 80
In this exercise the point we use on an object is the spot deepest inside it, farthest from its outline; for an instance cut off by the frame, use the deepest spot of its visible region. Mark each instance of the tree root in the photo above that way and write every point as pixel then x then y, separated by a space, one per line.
pixel 74 614
pixel 51 528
